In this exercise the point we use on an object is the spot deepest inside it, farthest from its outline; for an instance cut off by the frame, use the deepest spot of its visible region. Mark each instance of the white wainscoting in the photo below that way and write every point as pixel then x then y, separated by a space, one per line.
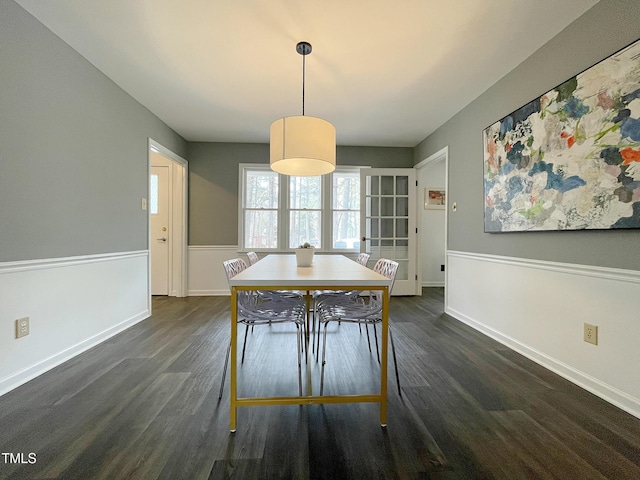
pixel 206 274
pixel 538 309
pixel 72 304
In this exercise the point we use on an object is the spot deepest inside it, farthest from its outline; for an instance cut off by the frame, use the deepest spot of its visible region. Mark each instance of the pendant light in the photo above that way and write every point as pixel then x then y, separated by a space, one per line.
pixel 301 145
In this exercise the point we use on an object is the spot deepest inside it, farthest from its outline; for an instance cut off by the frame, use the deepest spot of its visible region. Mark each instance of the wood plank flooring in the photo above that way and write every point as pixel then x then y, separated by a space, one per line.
pixel 145 405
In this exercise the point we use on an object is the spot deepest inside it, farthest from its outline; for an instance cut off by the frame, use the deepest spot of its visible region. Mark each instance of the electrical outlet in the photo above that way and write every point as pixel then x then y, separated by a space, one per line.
pixel 442 268
pixel 22 327
pixel 591 333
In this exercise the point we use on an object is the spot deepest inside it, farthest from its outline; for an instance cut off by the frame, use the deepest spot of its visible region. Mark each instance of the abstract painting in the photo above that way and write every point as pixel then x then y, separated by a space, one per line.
pixel 570 159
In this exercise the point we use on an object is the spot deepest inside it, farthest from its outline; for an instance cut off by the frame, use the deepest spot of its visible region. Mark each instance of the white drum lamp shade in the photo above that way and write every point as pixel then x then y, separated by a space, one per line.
pixel 302 146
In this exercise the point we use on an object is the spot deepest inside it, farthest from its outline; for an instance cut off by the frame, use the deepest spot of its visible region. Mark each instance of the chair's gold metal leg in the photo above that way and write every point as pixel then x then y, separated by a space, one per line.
pixel 307 339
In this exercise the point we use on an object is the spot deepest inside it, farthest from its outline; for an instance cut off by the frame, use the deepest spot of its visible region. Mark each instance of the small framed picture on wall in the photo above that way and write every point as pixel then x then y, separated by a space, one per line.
pixel 435 198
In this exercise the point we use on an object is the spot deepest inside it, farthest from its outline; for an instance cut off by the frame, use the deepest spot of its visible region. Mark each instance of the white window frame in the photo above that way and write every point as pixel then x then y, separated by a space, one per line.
pixel 283 210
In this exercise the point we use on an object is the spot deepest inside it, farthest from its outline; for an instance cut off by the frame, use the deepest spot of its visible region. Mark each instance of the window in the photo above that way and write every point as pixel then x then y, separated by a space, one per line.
pixel 279 212
pixel 305 211
pixel 153 194
pixel 345 210
pixel 260 209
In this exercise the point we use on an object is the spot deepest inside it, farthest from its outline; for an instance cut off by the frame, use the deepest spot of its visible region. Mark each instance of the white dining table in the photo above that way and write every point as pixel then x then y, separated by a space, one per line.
pixel 327 272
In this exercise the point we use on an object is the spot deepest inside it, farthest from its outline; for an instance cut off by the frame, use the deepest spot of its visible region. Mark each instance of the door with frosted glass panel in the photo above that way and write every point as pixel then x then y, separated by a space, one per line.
pixel 388 221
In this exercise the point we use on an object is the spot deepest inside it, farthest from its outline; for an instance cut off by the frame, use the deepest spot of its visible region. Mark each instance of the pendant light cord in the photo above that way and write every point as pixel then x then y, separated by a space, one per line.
pixel 304 57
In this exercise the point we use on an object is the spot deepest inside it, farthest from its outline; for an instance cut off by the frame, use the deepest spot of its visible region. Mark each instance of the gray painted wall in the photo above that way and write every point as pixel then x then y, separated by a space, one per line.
pixel 73 149
pixel 213 182
pixel 607 27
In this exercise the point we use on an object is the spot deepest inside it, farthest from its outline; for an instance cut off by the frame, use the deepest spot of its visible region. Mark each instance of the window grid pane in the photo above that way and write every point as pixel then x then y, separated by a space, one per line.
pixel 346 191
pixel 304 226
pixel 261 190
pixel 346 229
pixel 305 192
pixel 261 229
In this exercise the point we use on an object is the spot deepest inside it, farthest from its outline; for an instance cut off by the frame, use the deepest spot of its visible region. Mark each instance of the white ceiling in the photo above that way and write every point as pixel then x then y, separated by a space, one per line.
pixel 384 73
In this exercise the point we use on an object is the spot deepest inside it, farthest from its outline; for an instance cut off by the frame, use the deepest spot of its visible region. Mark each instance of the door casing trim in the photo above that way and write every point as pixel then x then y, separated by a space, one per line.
pixel 178 262
pixel 440 155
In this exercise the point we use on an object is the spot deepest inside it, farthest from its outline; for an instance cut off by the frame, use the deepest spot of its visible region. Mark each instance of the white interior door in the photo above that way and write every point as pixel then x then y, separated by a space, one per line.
pixel 388 221
pixel 160 238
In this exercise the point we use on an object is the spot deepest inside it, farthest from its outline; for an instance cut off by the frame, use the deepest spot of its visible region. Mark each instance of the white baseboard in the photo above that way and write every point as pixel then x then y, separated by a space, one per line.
pixel 209 293
pixel 513 300
pixel 23 376
pixel 206 274
pixel 72 303
pixel 591 384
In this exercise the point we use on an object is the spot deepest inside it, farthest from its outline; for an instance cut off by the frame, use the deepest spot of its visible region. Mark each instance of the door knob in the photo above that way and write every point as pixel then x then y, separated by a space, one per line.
pixel 364 239
pixel 163 239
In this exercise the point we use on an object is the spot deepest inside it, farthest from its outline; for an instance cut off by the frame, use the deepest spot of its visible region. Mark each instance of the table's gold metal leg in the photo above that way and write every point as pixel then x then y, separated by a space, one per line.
pixel 309 398
pixel 234 358
pixel 383 367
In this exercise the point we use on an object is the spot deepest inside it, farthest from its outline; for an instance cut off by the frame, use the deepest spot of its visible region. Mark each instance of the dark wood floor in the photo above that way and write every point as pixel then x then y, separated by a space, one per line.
pixel 145 405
